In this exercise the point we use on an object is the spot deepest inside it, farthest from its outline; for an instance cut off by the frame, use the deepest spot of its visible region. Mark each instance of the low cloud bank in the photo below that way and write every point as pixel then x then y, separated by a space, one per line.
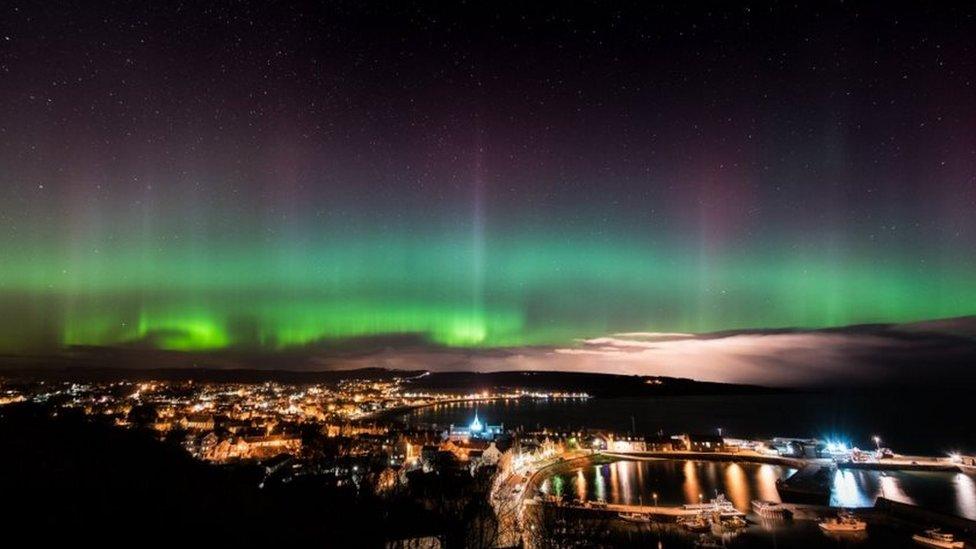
pixel 934 352
pixel 937 352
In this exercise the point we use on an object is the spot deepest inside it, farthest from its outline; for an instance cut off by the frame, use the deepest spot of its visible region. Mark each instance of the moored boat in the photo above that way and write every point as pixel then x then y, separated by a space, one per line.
pixel 697 523
pixel 843 523
pixel 719 503
pixel 770 509
pixel 734 523
pixel 706 542
pixel 635 517
pixel 938 538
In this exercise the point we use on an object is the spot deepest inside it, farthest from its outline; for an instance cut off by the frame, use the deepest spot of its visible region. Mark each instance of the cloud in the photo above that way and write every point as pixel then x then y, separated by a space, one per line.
pixel 857 355
pixel 932 352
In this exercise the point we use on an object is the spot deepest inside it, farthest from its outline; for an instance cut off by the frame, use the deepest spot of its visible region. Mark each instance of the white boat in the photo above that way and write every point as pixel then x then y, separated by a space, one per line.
pixel 635 517
pixel 843 523
pixel 770 509
pixel 938 538
pixel 720 503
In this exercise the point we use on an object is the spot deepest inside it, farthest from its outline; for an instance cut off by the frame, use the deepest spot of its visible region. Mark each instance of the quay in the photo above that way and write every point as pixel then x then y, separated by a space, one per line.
pixel 743 456
pixel 897 463
pixel 805 494
pixel 905 464
pixel 655 511
pixel 798 511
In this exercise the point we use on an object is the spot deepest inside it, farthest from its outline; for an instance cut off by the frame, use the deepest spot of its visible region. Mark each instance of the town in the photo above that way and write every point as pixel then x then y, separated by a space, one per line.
pixel 358 434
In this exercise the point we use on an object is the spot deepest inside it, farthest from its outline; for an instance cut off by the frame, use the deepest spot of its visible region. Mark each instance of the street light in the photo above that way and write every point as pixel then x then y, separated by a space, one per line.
pixel 877 442
pixel 654 495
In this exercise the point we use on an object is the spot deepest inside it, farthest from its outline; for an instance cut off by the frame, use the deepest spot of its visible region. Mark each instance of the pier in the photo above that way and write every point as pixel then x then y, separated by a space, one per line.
pixel 666 513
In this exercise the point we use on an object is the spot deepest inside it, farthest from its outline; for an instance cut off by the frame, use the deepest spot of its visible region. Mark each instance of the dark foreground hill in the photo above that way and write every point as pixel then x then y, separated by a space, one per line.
pixel 66 479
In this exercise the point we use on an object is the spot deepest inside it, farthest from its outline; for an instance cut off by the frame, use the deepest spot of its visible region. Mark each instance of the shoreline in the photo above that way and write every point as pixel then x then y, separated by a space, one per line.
pixel 399 410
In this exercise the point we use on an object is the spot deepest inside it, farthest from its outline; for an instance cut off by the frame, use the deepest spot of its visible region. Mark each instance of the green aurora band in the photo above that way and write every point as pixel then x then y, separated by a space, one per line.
pixel 460 292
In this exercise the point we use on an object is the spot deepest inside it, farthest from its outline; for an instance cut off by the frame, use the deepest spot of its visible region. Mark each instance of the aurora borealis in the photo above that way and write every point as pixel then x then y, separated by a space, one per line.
pixel 238 176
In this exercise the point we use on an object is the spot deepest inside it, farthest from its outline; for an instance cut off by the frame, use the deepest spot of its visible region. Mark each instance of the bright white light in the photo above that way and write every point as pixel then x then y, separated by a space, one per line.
pixel 837 447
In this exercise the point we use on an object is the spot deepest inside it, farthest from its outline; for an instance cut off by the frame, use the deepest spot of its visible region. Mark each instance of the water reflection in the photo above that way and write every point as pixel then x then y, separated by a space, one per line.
pixel 692 488
pixel 678 482
pixel 891 488
pixel 768 475
pixel 674 482
pixel 965 488
pixel 620 477
pixel 926 489
pixel 600 483
pixel 580 485
pixel 850 489
pixel 737 486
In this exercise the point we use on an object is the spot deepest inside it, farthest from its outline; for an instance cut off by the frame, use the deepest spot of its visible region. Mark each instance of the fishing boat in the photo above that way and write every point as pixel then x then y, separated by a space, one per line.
pixel 719 503
pixel 938 538
pixel 771 509
pixel 734 523
pixel 635 517
pixel 696 523
pixel 843 523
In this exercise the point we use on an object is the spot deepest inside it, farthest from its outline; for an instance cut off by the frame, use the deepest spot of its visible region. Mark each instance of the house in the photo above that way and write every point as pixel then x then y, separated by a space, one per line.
pixel 491 455
pixel 465 450
pixel 703 443
pixel 628 444
pixel 660 443
pixel 198 422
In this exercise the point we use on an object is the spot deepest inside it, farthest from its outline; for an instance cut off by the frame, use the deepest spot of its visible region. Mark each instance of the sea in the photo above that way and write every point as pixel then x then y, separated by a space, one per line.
pixel 924 421
pixel 909 422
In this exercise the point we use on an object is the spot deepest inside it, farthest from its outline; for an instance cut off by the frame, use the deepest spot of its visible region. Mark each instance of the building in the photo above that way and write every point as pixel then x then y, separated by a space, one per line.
pixel 491 455
pixel 799 447
pixel 257 447
pixel 198 422
pixel 475 429
pixel 628 444
pixel 703 443
pixel 660 443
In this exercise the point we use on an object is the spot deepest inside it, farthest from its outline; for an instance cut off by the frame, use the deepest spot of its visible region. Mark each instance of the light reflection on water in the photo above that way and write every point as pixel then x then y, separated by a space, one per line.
pixel 953 493
pixel 738 485
pixel 965 494
pixel 681 481
pixel 675 482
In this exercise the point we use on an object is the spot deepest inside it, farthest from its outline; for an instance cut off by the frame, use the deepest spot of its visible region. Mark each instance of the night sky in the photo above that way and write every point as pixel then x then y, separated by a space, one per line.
pixel 260 175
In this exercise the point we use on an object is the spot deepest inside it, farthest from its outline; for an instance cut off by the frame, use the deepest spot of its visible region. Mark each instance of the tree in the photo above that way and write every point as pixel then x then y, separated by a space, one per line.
pixel 142 415
pixel 562 526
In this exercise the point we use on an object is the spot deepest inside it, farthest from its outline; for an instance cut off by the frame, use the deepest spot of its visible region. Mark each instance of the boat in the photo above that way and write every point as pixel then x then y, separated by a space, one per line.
pixel 734 523
pixel 635 517
pixel 706 542
pixel 722 526
pixel 719 503
pixel 697 523
pixel 809 485
pixel 843 523
pixel 938 538
pixel 771 509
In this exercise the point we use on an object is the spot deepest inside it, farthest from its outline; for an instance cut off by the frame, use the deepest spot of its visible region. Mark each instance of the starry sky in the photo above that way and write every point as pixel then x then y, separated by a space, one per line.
pixel 212 175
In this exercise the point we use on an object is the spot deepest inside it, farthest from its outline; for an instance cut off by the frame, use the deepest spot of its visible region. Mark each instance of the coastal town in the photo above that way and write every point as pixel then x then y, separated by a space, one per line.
pixel 358 433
